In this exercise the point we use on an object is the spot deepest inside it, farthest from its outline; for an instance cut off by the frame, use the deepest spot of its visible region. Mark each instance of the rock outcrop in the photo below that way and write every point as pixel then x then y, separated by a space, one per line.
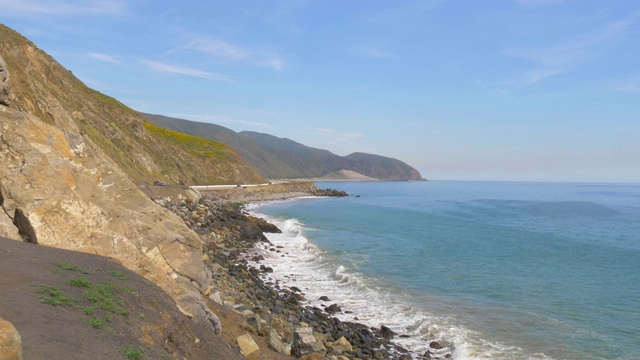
pixel 305 343
pixel 58 191
pixel 248 348
pixel 6 93
pixel 10 341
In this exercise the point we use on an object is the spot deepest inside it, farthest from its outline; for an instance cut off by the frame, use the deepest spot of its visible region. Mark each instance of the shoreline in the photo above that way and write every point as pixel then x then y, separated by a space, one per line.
pixel 275 315
pixel 354 297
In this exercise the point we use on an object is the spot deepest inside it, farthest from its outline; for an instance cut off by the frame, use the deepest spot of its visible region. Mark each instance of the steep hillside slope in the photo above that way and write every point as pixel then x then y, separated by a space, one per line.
pixel 280 158
pixel 64 150
pixel 266 163
pixel 45 89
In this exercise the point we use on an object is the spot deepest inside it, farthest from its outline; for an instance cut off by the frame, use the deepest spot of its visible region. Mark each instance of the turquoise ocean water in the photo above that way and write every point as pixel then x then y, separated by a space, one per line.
pixel 494 270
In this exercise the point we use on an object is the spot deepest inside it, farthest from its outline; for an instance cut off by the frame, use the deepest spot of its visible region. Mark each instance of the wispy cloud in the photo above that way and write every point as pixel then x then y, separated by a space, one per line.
pixel 413 9
pixel 228 51
pixel 536 3
pixel 480 84
pixel 338 135
pixel 218 119
pixel 376 50
pixel 45 7
pixel 325 130
pixel 350 136
pixel 187 71
pixel 560 58
pixel 630 85
pixel 104 57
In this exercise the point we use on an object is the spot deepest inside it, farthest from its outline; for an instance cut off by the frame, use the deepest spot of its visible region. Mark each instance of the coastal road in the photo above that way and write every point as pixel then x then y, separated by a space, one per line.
pixel 224 187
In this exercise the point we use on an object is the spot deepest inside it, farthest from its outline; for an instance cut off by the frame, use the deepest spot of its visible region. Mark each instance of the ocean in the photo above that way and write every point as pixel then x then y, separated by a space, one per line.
pixel 493 270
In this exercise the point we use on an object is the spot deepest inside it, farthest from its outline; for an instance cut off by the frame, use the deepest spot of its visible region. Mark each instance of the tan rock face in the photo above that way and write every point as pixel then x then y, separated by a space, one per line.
pixel 6 93
pixel 57 196
pixel 248 348
pixel 10 341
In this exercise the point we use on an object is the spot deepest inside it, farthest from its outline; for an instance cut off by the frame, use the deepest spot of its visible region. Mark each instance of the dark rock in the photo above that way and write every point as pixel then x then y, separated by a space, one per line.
pixel 435 345
pixel 386 332
pixel 324 298
pixel 332 309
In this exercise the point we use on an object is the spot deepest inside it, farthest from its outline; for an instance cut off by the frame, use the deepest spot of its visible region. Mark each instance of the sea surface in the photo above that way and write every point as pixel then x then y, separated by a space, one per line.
pixel 494 270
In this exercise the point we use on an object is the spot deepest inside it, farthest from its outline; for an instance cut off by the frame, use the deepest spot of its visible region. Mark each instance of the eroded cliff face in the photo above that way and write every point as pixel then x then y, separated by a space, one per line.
pixel 57 189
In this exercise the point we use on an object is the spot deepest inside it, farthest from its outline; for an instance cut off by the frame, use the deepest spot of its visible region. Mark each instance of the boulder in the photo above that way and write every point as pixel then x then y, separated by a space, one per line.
pixel 386 332
pixel 248 348
pixel 312 356
pixel 342 345
pixel 305 343
pixel 6 92
pixel 278 345
pixel 10 341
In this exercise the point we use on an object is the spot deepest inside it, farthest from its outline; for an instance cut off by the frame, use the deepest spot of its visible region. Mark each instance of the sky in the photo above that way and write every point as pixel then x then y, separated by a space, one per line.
pixel 515 90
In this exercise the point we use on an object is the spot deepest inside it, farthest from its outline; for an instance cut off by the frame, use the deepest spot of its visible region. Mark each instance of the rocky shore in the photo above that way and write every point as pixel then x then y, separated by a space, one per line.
pixel 277 314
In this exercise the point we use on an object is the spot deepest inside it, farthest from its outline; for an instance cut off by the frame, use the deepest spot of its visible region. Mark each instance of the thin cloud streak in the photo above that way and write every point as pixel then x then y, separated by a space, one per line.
pixel 35 7
pixel 228 51
pixel 187 71
pixel 412 10
pixel 557 59
pixel 536 3
pixel 215 119
pixel 105 58
pixel 374 51
pixel 338 135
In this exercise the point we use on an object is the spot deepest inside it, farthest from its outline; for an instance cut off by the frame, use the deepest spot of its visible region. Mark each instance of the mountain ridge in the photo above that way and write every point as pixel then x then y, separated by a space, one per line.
pixel 281 158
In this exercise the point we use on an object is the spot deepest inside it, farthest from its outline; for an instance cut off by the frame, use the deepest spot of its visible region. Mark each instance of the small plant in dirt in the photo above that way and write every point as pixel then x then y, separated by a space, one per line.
pixel 117 274
pixel 103 297
pixel 96 322
pixel 132 353
pixel 69 266
pixel 79 282
pixel 53 295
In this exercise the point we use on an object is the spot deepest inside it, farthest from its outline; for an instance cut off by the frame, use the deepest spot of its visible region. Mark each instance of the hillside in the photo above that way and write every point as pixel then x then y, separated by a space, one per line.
pixel 266 163
pixel 45 89
pixel 281 158
pixel 314 162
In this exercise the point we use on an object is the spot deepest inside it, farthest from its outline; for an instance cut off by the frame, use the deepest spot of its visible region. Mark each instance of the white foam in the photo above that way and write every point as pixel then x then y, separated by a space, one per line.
pixel 316 273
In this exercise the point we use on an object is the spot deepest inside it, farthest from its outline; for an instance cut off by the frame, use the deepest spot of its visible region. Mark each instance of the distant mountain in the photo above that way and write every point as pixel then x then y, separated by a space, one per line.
pixel 281 158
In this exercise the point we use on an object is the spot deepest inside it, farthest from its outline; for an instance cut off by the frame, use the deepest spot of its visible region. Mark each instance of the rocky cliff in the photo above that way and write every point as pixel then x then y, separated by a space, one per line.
pixel 63 184
pixel 95 122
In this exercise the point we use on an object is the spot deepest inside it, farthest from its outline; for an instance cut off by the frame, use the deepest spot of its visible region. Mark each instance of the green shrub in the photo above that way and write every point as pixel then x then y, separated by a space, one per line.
pixel 69 266
pixel 132 353
pixel 96 322
pixel 53 295
pixel 79 282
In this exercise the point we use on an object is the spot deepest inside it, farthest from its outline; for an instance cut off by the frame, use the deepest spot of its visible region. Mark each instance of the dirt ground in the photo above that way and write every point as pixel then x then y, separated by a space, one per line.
pixel 152 322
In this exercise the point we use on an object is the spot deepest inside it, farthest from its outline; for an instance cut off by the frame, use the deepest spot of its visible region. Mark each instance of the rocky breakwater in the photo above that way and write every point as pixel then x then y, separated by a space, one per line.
pixel 276 313
pixel 58 189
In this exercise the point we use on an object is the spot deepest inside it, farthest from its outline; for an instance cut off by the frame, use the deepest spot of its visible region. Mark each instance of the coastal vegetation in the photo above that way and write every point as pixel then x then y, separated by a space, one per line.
pixel 197 146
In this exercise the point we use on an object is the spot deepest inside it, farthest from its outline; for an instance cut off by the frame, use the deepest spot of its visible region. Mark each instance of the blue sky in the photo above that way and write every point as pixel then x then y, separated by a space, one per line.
pixel 530 90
